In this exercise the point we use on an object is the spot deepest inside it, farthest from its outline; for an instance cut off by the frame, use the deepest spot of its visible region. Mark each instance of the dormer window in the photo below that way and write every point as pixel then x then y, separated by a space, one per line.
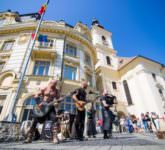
pixel 108 60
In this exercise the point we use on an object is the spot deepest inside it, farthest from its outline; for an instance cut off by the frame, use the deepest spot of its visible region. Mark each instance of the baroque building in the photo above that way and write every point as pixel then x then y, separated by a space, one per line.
pixel 73 54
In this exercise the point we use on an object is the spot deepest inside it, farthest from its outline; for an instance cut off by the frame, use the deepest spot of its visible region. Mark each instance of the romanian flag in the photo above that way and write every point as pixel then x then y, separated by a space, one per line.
pixel 33 34
pixel 43 8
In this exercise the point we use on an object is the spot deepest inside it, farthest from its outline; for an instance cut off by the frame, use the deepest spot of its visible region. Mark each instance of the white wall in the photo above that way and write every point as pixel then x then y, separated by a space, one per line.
pixel 143 91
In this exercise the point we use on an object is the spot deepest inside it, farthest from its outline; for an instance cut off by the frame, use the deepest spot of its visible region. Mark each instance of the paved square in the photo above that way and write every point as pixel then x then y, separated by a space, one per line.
pixel 118 142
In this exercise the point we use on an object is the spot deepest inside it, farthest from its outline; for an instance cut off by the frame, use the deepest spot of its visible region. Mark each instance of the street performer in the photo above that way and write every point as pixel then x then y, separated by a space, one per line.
pixel 47 94
pixel 107 101
pixel 79 97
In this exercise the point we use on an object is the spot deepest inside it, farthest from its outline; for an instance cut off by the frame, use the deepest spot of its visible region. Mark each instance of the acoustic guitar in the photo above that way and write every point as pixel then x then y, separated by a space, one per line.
pixel 80 105
pixel 42 109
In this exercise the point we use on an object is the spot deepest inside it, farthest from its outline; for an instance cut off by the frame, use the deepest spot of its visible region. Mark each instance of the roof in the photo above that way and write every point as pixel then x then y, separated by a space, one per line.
pixel 124 61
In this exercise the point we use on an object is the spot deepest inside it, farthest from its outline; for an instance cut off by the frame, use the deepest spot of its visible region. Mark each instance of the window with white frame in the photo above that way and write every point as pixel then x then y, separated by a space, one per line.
pixel 88 59
pixel 2 100
pixel 8 45
pixel 28 109
pixel 68 105
pixel 1 22
pixel 41 68
pixel 71 50
pixel 69 72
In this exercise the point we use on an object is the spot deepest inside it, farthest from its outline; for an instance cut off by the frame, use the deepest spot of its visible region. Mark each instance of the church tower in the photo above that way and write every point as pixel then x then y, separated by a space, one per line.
pixel 102 40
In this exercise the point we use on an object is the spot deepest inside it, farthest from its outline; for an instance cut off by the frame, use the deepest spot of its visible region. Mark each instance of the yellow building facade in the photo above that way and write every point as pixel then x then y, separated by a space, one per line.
pixel 61 51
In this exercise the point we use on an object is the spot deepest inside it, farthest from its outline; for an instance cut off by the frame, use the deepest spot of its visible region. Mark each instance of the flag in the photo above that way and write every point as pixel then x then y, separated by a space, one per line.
pixel 33 35
pixel 42 9
pixel 40 37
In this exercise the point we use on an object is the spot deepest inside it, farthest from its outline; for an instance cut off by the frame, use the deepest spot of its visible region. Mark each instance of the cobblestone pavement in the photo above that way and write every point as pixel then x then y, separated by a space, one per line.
pixel 118 142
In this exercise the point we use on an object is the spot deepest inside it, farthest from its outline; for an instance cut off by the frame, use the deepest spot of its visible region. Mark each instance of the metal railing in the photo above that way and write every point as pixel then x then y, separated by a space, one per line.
pixel 43 44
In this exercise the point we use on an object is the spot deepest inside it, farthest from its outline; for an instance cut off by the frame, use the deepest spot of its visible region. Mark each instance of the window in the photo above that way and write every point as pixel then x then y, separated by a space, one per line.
pixel 127 92
pixel 87 59
pixel 41 68
pixel 114 85
pixel 108 60
pixel 50 42
pixel 8 45
pixel 1 65
pixel 69 72
pixel 1 22
pixel 71 50
pixel 28 109
pixel 89 79
pixel 154 76
pixel 2 100
pixel 68 105
pixel 161 93
pixel 104 40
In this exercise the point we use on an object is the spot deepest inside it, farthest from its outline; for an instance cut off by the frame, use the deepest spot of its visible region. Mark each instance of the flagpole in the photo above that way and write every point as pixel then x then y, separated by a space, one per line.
pixel 23 71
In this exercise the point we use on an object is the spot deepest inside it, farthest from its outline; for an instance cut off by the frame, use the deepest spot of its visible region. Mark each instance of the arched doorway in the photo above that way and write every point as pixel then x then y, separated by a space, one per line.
pixel 28 107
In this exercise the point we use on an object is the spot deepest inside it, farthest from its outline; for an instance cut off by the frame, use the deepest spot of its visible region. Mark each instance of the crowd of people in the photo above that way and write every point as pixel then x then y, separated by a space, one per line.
pixel 147 122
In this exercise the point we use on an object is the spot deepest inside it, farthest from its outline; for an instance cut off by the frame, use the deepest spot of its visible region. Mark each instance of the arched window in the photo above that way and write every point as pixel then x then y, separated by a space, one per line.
pixel 127 92
pixel 103 38
pixel 28 108
pixel 108 60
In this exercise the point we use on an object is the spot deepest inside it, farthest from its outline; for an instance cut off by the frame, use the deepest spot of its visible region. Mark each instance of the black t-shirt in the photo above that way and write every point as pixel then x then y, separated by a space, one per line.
pixel 108 99
pixel 80 94
pixel 148 118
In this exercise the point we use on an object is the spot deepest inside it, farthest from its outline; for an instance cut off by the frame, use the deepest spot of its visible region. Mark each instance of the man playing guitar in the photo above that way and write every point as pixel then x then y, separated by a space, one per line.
pixel 79 97
pixel 47 94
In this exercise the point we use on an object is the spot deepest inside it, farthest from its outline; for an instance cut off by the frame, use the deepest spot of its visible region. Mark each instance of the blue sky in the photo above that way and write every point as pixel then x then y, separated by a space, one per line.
pixel 137 26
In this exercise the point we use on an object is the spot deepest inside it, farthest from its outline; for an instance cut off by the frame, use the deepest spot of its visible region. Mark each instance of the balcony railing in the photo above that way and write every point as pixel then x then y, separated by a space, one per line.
pixel 43 44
